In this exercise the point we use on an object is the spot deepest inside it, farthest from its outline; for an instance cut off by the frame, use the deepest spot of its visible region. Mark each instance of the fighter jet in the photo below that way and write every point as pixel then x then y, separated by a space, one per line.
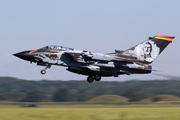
pixel 134 60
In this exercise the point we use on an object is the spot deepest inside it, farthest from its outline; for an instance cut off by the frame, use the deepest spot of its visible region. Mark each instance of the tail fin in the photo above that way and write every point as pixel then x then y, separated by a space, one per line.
pixel 147 51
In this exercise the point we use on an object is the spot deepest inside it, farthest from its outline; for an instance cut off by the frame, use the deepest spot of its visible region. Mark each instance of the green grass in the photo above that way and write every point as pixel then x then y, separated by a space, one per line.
pixel 96 113
pixel 109 98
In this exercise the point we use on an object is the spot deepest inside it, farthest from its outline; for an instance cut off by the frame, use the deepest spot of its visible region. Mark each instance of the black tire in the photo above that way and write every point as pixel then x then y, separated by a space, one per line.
pixel 97 77
pixel 90 79
pixel 43 72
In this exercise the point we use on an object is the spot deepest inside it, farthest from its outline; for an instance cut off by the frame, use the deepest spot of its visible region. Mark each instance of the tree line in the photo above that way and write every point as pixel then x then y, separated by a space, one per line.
pixel 13 89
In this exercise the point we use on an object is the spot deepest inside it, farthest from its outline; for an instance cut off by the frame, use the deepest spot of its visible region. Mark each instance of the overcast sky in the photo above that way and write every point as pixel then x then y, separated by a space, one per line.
pixel 96 25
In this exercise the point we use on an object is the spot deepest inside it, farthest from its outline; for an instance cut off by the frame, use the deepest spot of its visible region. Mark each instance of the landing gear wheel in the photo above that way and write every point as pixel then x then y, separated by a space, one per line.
pixel 43 72
pixel 97 77
pixel 90 79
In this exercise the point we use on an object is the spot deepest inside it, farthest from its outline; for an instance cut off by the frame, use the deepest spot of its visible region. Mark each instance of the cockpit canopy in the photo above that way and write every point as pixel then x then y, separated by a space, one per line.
pixel 56 47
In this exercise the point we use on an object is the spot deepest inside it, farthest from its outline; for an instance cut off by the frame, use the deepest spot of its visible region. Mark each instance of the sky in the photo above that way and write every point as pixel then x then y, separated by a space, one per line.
pixel 96 25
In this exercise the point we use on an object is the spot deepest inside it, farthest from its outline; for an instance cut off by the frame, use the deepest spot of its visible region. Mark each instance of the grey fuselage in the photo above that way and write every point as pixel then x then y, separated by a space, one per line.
pixel 83 62
pixel 134 60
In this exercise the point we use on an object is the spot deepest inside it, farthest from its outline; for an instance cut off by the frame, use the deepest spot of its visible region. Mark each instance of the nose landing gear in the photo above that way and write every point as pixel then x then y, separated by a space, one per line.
pixel 44 70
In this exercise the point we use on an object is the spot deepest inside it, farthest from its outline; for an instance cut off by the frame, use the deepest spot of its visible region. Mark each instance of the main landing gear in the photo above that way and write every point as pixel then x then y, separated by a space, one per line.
pixel 44 70
pixel 90 78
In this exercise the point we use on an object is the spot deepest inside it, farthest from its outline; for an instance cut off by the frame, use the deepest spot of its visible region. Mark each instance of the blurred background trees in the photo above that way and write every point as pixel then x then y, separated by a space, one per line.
pixel 12 89
pixel 61 95
pixel 33 96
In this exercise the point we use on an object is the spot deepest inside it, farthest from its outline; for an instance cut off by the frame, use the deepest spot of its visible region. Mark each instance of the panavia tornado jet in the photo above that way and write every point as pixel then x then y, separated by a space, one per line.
pixel 134 60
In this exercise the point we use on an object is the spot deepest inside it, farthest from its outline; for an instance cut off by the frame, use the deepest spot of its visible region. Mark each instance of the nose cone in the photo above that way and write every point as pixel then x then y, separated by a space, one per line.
pixel 25 55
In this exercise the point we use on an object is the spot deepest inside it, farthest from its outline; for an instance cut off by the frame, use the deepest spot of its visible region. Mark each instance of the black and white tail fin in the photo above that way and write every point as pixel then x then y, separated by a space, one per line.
pixel 147 51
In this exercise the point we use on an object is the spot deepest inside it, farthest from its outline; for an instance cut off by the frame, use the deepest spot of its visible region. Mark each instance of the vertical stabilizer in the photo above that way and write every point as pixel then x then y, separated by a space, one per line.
pixel 148 50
